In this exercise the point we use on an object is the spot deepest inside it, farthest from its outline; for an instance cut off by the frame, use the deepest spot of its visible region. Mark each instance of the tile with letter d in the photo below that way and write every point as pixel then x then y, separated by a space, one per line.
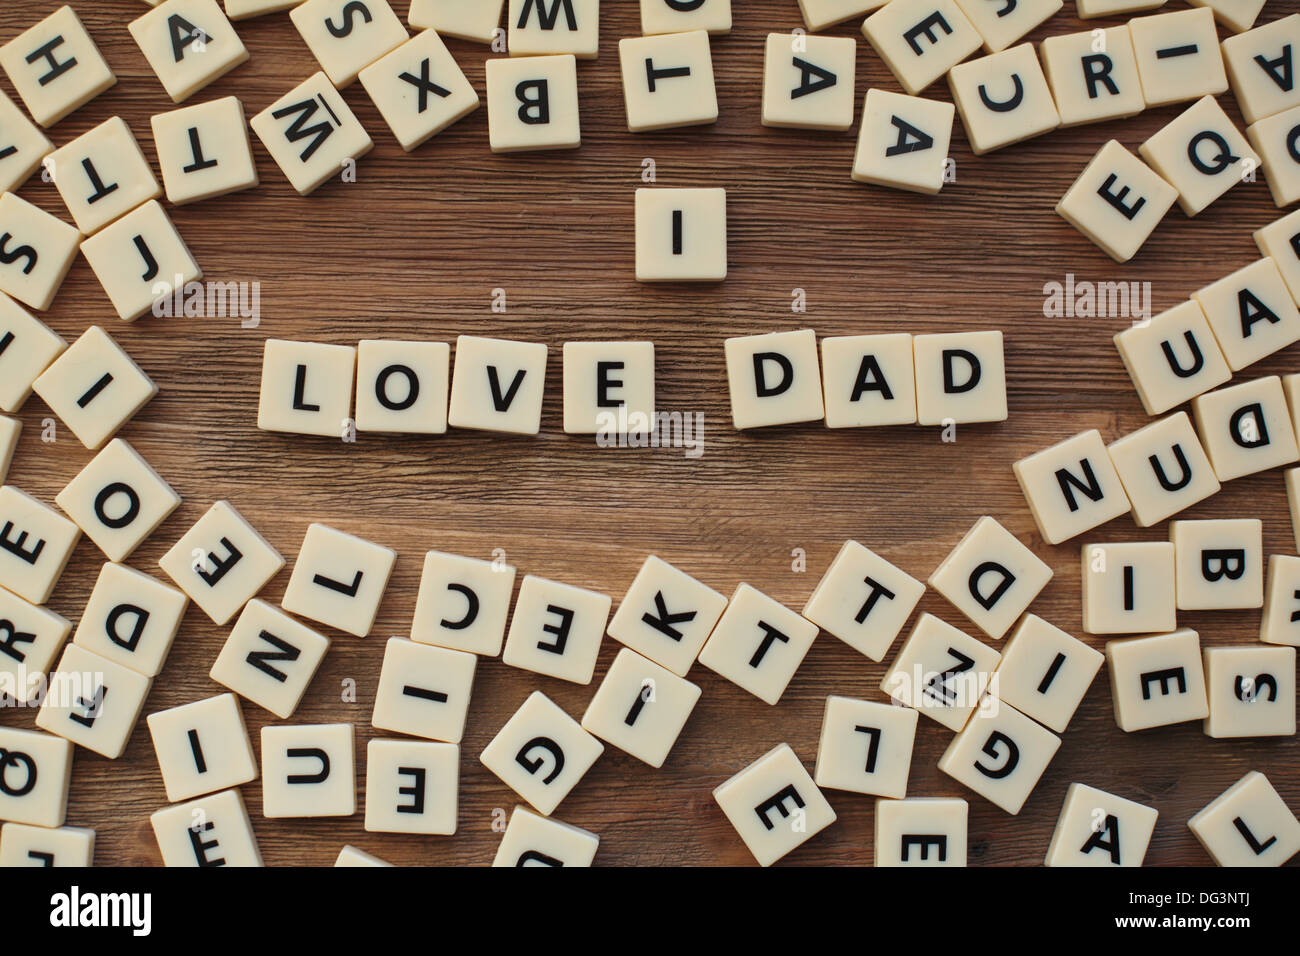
pixel 866 747
pixel 202 747
pixel 863 600
pixel 56 67
pixel 311 134
pixel 308 771
pixel 531 840
pixel 666 615
pixel 960 378
pixel 556 629
pixel 774 379
pixel 921 831
pixel 213 830
pixel 118 500
pixel 1096 828
pixel 131 619
pixel 1249 824
pixel 774 805
pixel 412 787
pixel 204 151
pixel 1246 428
pixel 758 644
pixel 269 658
pixel 640 707
pixel 339 580
pixel 306 388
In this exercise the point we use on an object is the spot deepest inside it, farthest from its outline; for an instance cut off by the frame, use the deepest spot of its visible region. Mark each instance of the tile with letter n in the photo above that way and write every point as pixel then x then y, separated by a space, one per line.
pixel 311 134
pixel 213 830
pixel 774 805
pixel 269 658
pixel 56 67
pixel 339 580
pixel 1071 487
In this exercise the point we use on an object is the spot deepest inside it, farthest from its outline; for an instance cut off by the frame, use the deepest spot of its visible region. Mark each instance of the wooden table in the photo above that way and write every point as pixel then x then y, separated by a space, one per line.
pixel 414 249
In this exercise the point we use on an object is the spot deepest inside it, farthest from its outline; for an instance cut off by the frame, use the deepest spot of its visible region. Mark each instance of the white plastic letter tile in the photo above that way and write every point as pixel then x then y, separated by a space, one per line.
pixel 102 175
pixel 22 845
pixel 30 638
pixel 38 770
pixel 774 379
pixel 477 21
pixel 35 545
pixel 758 644
pixel 540 27
pixel 681 235
pixel 346 36
pixel 532 103
pixel 1156 681
pixel 118 500
pixel 1045 673
pixel 204 151
pixel 37 252
pixel 1091 85
pixel 960 378
pixel 306 388
pixel 94 387
pixel 640 708
pixel 1000 754
pixel 1246 428
pixel 141 261
pixel 1178 56
pixel 1163 469
pixel 1172 358
pixel 1251 313
pixel 1117 201
pixel 609 388
pixel 1071 487
pixel 424 691
pixel 869 380
pixel 668 81
pixel 1002 23
pixel 1201 154
pixel 1003 99
pixel 866 747
pixel 556 629
pixel 419 89
pixel 202 747
pixel 774 805
pixel 1096 828
pixel 921 831
pixel 1251 691
pixel 269 658
pixel 402 387
pixel 1249 824
pixel 920 42
pixel 498 385
pixel 339 580
pixel 531 840
pixel 808 81
pixel 311 133
pixel 903 142
pixel 1261 66
pixel 666 615
pixel 131 619
pixel 213 830
pixel 1280 623
pixel 93 702
pixel 941 671
pixel 463 603
pixel 188 44
pixel 1128 587
pixel 309 770
pixel 27 347
pixel 863 600
pixel 56 67
pixel 22 146
pixel 1219 563
pixel 675 16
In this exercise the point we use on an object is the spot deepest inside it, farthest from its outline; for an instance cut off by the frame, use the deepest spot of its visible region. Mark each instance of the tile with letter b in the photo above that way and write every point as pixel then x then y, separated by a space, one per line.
pixel 1163 469
pixel 188 44
pixel 1201 154
pixel 339 580
pixel 1001 24
pixel 131 619
pixel 1249 824
pixel 1000 754
pixel 311 134
pixel 202 747
pixel 903 142
pixel 1280 623
pixel 269 658
pixel 640 708
pixel 1251 691
pixel 498 385
pixel 536 29
pixel 118 500
pixel 1071 487
pixel 541 753
pixel 774 805
pixel 1091 85
pixel 667 615
pixel 38 770
pixel 1172 358
pixel 23 845
pixel 866 747
pixel 1096 828
pixel 1261 66
pixel 1251 313
pixel 308 770
pixel 35 545
pixel 55 67
pixel 532 103
pixel 36 254
pixel 920 42
pixel 306 388
pixel 221 562
pixel 863 600
pixel 941 671
pixel 30 638
pixel 1045 673
pixel 556 629
pixel 681 235
pixel 808 81
pixel 346 36
pixel 477 22
pixel 463 603
pixel 868 380
pixel 1178 56
pixel 419 89
pixel 1003 98
pixel 204 151
pixel 402 387
pixel 960 378
pixel 1157 681
pixel 676 16
pixel 758 644
pixel 668 81
pixel 213 830
pixel 141 260
pixel 1272 138
pixel 351 856
pixel 1128 587
pixel 1219 563
pixel 93 702
pixel 774 379
pixel 424 691
pixel 22 146
pixel 820 14
pixel 1117 201
pixel 609 388
pixel 921 831
pixel 531 840
pixel 27 347
pixel 102 175
pixel 1246 428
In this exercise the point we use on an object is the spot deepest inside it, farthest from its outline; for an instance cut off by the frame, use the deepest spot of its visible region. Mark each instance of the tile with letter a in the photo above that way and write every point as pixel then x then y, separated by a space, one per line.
pixel 35 545
pixel 27 347
pixel 774 805
pixel 531 840
pixel 351 856
pixel 1003 22
pixel 774 379
pixel 55 67
pixel 346 36
pixel 36 252
pixel 423 691
pixel 640 708
pixel 1172 358
pixel 419 89
pixel 498 385
pixel 680 16
pixel 960 378
pixel 37 771
pixel 921 831
pixel 10 429
pixel 866 747
pixel 30 638
pixel 1156 681
pixel 1272 138
pixel 22 146
pixel 869 380
pixel 1044 672
pixel 131 619
pixel 477 22
pixel 940 671
pixel 1163 468
pixel 1249 824
pixel 1251 313
pixel 102 175
pixel 668 81
pixel 213 830
pixel 1003 98
pixel 1280 623
pixel 808 81
pixel 1128 587
pixel 1000 754
pixel 1262 68
pixel 23 845
pixel 1251 691
pixel 556 629
pixel 202 747
pixel 141 261
pixel 1178 56
pixel 863 600
pixel 463 603
pixel 532 103
pixel 189 44
pixel 339 580
pixel 204 151
pixel 667 615
pixel 681 235
pixel 311 134
pixel 544 27
pixel 1201 154
pixel 1071 487
pixel 309 771
pixel 1219 563
pixel 920 42
pixel 93 702
pixel 402 387
pixel 1096 828
pixel 903 142
pixel 1117 201
pixel 269 658
pixel 758 644
pixel 306 388
pixel 1246 428
pixel 1091 85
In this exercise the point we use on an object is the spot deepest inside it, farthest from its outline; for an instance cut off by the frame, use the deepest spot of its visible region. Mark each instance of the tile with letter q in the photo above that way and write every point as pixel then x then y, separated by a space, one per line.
pixel 1201 153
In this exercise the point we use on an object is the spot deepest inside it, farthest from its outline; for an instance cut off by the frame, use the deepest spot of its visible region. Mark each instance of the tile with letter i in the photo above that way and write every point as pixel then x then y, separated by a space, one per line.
pixel 1117 201
pixel 532 103
pixel 346 36
pixel 1003 99
pixel 1261 66
pixel 35 545
pixel 920 42
pixel 1045 673
pixel 1251 313
pixel 131 619
pixel 411 787
pixel 55 67
pixel 1000 754
pixel 774 379
pixel 1071 487
pixel 102 175
pixel 1272 138
pixel 940 671
pixel 204 151
pixel 1251 691
pixel 679 16
pixel 22 146
pixel 477 22
pixel 188 44
pixel 774 805
pixel 202 747
pixel 463 603
pixel 498 385
pixel 903 142
pixel 921 831
pixel 1249 824
pixel 758 644
pixel 306 388
pixel 1172 358
pixel 808 81
pixel 537 28
pixel 30 638
pixel 667 615
pixel 556 630
pixel 531 840
pixel 269 658
pixel 36 254
pixel 1163 469
pixel 1201 154
pixel 98 702
pixel 1178 56
pixel 424 691
pixel 1157 681
pixel 1128 587
pixel 311 134
pixel 118 500
pixel 27 347
pixel 213 830
pixel 339 580
pixel 668 81
pixel 309 771
pixel 640 708
pixel 419 89
pixel 1091 85
pixel 23 845
pixel 863 600
pixel 1246 428
pixel 1002 22
pixel 402 387
pixel 1280 623
pixel 351 856
pixel 868 380
pixel 866 747
pixel 141 260
pixel 1096 828
pixel 681 235
pixel 38 770
pixel 960 378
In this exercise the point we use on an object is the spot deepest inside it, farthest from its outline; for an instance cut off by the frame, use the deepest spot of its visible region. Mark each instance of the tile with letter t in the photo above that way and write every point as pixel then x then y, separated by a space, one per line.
pixel 402 387
pixel 1178 56
pixel 477 22
pixel 1172 358
pixel 1236 15
pixel 531 840
pixel 351 856
pixel 22 146
pixel 640 708
pixel 1096 828
pixel 221 562
pixel 808 81
pixel 1280 623
pixel 960 378
pixel 991 577
pixel 681 235
pixel 541 753
pixel 306 388
pixel 868 380
pixel 667 615
pixel 866 747
pixel 419 89
pixel 118 500
pixel 424 691
pixel 1261 66
pixel 27 347
pixel 1071 487
pixel 1272 138
pixel 37 252
pixel 94 387
pixel 93 702
pixel 1280 241
pixel 1117 201
pixel 411 787
pixel 311 134
pixel 532 103
pixel 921 831
pixel 498 385
pixel 309 771
pixel 940 671
pixel 1249 824
pixel 102 175
pixel 1157 681
pixel 1251 313
pixel 920 42
pixel 30 638
pixel 903 142
pixel 23 845
pixel 556 629
pixel 1128 587
pixel 774 379
pixel 463 603
pixel 1246 428
pixel 668 81
pixel 774 805
pixel 204 151
pixel 820 14
pixel 609 388
pixel 1003 99
pixel 38 770
pixel 1201 154
pixel 339 580
pixel 863 600
pixel 1045 673
pixel 758 644
pixel 202 747
pixel 1001 23
pixel 346 36
pixel 1091 85
pixel 131 619
pixel 535 29
pixel 10 429
pixel 213 830
pixel 680 16
pixel 1251 691
pixel 1219 563
pixel 1000 754
pixel 1163 469
pixel 188 44
pixel 56 67
pixel 269 658
pixel 35 545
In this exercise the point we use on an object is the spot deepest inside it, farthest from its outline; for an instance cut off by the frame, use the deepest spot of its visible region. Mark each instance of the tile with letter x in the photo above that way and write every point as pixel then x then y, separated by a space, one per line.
pixel 419 89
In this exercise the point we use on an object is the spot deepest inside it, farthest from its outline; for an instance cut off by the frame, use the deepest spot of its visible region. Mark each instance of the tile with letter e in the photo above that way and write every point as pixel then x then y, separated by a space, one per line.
pixel 306 388
pixel 1178 56
pixel 1219 563
pixel 1045 673
pixel 572 26
pixel 556 629
pixel 1096 828
pixel 38 770
pixel 531 840
pixel 820 14
pixel 55 67
pixel 863 600
pixel 269 658
pixel 131 619
pixel 532 103
pixel 221 562
pixel 1000 754
pixel 680 16
pixel 308 770
pixel 30 638
pixel 419 89
pixel 93 702
pixel 866 747
pixel 23 845
pixel 351 856
pixel 498 385
pixel 339 580
pixel 22 146
pixel 1280 241
pixel 609 388
pixel 213 830
pixel 1172 358
pixel 920 42
pixel 1246 428
pixel 541 753
pixel 202 747
pixel 758 644
pixel 1272 138
pixel 903 142
pixel 681 235
pixel 1001 24
pixel 960 378
pixel 204 151
pixel 188 44
pixel 1128 587
pixel 1201 154
pixel 1091 85
pixel 102 175
pixel 311 134
pixel 1249 824
pixel 640 708
pixel 808 81
pixel 667 615
pixel 868 380
pixel 1117 202
pixel 1251 691
pixel 774 379
pixel 141 260
pixel 1163 469
pixel 921 831
pixel 346 36
pixel 118 500
pixel 941 671
pixel 35 545
pixel 1280 623
pixel 1261 66
pixel 774 805
pixel 402 387
pixel 27 347
pixel 1003 98
pixel 1251 313
pixel 668 81
pixel 1071 487
pixel 1157 681
pixel 463 603
pixel 37 253
pixel 423 691
pixel 94 387
pixel 477 22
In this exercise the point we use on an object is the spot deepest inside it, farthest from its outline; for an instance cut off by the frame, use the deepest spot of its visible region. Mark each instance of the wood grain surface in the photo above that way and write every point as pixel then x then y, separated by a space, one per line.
pixel 414 248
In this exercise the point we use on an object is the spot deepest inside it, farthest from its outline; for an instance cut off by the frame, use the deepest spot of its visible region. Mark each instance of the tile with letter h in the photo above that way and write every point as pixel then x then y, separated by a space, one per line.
pixel 23 845
pixel 30 638
pixel 213 830
pixel 94 387
pixel 93 702
pixel 1000 754
pixel 339 580
pixel 463 603
pixel 38 770
pixel 1249 824
pixel 774 805
pixel 758 644
pixel 35 545
pixel 640 708
pixel 311 134
pixel 556 629
pixel 131 619
pixel 865 747
pixel 308 771
pixel 941 671
pixel 531 840
pixel 411 787
pixel 1071 487
pixel 1157 681
pixel 118 500
pixel 921 831
pixel 269 658
pixel 1099 829
pixel 1251 691
pixel 423 690
pixel 202 747
pixel 1045 673
pixel 667 615
pixel 56 67
pixel 863 600
pixel 1163 468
